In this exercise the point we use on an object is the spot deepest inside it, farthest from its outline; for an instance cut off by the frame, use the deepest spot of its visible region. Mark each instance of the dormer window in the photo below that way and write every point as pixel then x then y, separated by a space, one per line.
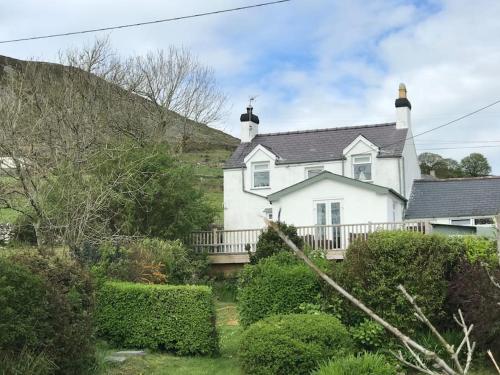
pixel 260 175
pixel 313 171
pixel 362 167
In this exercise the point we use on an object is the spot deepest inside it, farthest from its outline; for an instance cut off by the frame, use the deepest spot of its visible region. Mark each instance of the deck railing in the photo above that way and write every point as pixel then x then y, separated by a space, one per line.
pixel 326 237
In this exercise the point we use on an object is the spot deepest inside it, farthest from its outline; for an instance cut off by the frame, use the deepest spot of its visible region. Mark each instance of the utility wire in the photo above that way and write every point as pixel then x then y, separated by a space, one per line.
pixel 457 148
pixel 445 124
pixel 143 23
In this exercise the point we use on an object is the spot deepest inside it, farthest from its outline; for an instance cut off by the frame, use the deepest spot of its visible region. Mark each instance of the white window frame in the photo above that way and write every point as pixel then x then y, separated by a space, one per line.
pixel 313 168
pixel 268 170
pixel 354 164
pixel 268 212
pixel 461 219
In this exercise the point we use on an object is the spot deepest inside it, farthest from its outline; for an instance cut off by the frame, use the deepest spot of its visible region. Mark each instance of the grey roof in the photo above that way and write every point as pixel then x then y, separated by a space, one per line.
pixel 457 197
pixel 325 175
pixel 321 144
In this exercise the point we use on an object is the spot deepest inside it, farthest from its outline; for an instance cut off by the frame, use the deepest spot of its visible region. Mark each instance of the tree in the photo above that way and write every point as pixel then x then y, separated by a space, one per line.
pixel 475 165
pixel 443 168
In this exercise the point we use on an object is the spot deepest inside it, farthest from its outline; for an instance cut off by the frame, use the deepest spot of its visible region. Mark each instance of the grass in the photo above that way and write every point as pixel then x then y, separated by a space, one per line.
pixel 163 364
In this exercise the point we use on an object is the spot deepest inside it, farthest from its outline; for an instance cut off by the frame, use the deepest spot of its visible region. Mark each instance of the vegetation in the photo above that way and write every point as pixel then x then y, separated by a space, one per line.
pixel 180 319
pixel 365 364
pixel 270 243
pixel 46 314
pixel 292 344
pixel 474 165
pixel 276 285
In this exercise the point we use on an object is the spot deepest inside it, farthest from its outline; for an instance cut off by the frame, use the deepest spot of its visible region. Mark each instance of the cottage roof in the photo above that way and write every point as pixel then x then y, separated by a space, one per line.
pixel 456 197
pixel 321 144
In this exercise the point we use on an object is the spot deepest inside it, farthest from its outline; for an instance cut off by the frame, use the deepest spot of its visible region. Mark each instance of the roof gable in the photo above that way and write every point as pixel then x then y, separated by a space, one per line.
pixel 360 138
pixel 258 148
pixel 325 175
pixel 321 144
pixel 457 197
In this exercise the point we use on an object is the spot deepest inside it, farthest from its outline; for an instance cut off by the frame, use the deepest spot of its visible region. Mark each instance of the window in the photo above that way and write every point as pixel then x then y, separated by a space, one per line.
pixel 460 221
pixel 362 167
pixel 484 221
pixel 268 213
pixel 313 171
pixel 260 175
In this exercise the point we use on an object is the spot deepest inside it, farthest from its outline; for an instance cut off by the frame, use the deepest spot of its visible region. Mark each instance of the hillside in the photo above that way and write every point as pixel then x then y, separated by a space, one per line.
pixel 207 150
pixel 203 137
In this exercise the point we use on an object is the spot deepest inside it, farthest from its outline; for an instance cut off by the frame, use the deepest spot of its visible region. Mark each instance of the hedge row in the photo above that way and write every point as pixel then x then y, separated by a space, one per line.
pixel 179 318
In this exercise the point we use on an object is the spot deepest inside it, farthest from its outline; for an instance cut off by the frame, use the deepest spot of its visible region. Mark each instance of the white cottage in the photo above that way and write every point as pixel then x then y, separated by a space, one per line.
pixel 345 175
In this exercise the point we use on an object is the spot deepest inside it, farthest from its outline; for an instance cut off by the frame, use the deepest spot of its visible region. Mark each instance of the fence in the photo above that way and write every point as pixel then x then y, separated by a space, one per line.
pixel 326 237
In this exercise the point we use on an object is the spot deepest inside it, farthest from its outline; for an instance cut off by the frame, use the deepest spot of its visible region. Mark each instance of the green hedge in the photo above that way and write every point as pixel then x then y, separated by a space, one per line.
pixel 276 285
pixel 366 364
pixel 292 344
pixel 179 318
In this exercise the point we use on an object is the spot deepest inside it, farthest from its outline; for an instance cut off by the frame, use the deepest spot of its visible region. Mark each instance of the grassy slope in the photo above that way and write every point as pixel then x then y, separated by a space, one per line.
pixel 163 364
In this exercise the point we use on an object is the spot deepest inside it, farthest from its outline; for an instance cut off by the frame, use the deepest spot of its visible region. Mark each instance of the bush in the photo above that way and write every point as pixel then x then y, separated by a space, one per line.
pixel 480 249
pixel 365 364
pixel 70 297
pixel 292 344
pixel 46 307
pixel 270 242
pixel 374 268
pixel 150 261
pixel 471 291
pixel 180 319
pixel 276 285
pixel 369 335
pixel 26 362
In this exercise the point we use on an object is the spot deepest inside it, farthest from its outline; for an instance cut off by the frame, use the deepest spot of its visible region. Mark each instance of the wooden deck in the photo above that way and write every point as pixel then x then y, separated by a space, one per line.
pixel 231 246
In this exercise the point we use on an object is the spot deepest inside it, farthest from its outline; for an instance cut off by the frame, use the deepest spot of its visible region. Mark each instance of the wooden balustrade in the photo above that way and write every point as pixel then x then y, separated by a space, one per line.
pixel 325 237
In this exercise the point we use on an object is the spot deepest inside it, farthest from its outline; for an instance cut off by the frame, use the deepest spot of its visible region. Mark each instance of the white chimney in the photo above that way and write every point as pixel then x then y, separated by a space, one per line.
pixel 249 125
pixel 403 109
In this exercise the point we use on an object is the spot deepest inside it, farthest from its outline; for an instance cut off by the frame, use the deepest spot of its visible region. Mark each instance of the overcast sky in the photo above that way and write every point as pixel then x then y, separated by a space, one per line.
pixel 311 63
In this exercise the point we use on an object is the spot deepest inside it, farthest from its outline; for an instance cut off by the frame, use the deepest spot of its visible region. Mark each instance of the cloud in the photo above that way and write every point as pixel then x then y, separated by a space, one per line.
pixel 315 63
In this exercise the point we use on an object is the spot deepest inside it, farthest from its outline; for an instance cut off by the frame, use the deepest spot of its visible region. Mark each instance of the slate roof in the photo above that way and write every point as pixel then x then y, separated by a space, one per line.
pixel 457 197
pixel 321 144
pixel 325 175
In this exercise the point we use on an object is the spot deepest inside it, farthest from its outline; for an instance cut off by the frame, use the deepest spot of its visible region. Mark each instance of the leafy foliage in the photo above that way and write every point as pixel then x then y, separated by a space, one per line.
pixel 150 261
pixel 369 335
pixel 26 362
pixel 470 289
pixel 276 285
pixel 48 305
pixel 270 242
pixel 374 268
pixel 480 250
pixel 475 165
pixel 180 319
pixel 365 364
pixel 292 344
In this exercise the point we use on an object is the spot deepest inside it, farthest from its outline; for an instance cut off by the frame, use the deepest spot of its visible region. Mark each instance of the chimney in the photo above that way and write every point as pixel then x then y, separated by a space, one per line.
pixel 403 109
pixel 249 125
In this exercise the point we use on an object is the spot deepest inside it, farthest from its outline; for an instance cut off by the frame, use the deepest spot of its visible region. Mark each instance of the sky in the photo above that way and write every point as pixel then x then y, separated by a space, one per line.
pixel 310 63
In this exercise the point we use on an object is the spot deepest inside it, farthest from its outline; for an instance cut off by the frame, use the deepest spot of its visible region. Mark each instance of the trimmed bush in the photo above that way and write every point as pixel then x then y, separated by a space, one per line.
pixel 373 269
pixel 270 243
pixel 292 344
pixel 46 309
pixel 179 318
pixel 276 285
pixel 366 364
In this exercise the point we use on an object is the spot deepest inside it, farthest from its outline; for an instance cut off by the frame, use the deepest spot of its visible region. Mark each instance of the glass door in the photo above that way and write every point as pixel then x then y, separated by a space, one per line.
pixel 328 213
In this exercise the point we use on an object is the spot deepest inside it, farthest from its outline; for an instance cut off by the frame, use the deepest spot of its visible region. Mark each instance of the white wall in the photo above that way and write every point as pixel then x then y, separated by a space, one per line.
pixel 358 205
pixel 411 168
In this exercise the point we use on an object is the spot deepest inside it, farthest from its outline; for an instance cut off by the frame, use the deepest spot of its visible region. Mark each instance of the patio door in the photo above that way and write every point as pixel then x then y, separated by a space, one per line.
pixel 328 216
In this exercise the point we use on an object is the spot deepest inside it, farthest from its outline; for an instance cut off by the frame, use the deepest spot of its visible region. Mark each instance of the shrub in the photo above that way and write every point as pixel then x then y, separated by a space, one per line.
pixel 471 291
pixel 180 319
pixel 46 307
pixel 151 261
pixel 480 249
pixel 292 344
pixel 276 285
pixel 365 364
pixel 374 268
pixel 26 362
pixel 369 335
pixel 270 242
pixel 70 343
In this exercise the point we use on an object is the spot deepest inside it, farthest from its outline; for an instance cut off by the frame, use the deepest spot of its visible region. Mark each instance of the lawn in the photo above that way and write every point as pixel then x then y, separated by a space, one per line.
pixel 163 364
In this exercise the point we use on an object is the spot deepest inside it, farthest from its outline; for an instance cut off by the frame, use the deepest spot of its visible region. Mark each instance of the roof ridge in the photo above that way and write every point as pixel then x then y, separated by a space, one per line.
pixel 329 129
pixel 459 179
